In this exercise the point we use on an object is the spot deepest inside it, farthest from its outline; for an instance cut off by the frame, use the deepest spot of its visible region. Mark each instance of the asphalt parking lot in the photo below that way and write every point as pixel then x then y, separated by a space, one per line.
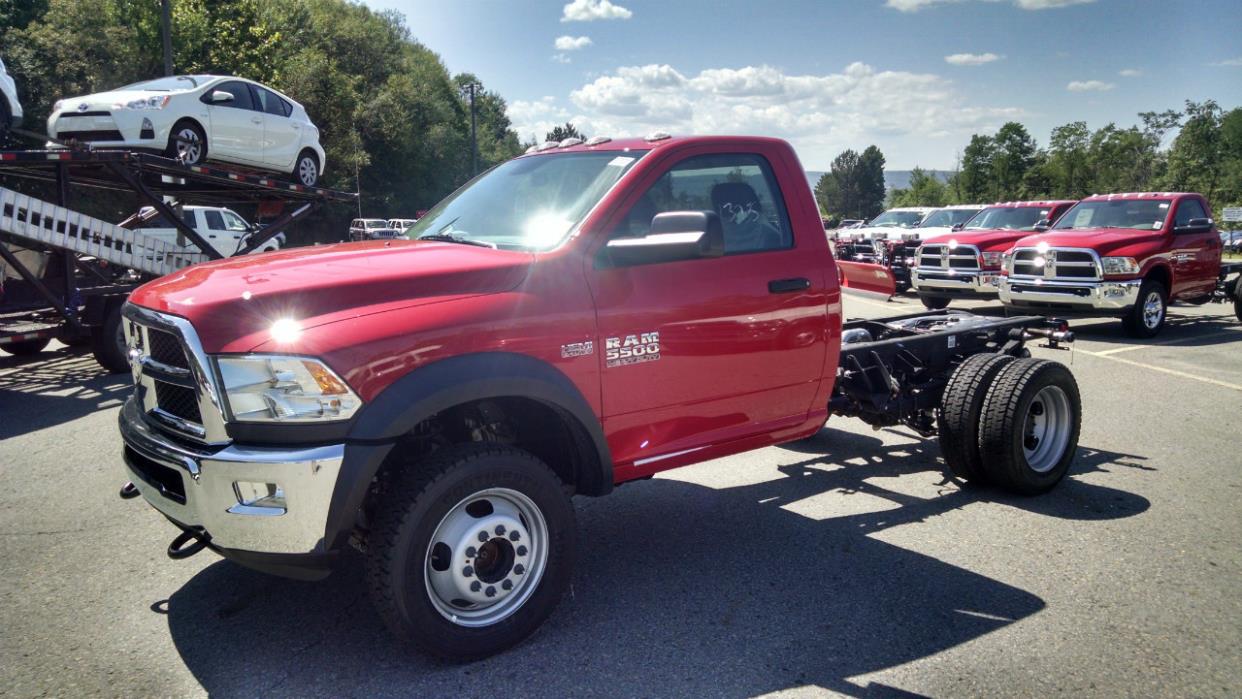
pixel 842 563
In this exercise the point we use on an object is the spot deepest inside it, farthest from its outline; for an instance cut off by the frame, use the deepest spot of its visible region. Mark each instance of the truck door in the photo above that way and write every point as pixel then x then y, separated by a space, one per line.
pixel 705 351
pixel 1196 254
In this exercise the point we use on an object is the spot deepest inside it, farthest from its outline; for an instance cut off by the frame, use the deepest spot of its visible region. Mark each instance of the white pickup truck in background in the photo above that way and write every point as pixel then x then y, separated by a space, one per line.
pixel 223 228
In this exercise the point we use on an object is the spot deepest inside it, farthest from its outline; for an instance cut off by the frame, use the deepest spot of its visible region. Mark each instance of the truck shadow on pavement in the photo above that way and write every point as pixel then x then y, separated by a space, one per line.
pixel 680 589
pixel 52 388
pixel 1179 330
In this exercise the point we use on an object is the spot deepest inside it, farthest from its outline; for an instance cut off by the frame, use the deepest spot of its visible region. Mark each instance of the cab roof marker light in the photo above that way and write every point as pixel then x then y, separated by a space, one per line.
pixel 570 142
pixel 532 149
pixel 547 145
pixel 598 140
pixel 657 136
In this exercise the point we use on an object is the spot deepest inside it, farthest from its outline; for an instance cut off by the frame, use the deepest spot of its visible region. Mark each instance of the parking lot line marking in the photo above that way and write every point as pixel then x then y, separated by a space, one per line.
pixel 869 302
pixel 1163 370
pixel 1129 348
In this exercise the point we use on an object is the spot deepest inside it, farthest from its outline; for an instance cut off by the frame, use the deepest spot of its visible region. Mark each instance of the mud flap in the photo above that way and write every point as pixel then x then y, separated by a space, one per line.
pixel 867 278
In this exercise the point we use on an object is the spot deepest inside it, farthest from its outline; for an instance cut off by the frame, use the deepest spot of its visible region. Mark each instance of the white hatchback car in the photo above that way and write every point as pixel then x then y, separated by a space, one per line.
pixel 196 118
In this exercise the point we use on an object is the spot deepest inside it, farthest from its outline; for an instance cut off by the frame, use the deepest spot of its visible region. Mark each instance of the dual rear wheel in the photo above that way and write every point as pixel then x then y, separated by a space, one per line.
pixel 1011 423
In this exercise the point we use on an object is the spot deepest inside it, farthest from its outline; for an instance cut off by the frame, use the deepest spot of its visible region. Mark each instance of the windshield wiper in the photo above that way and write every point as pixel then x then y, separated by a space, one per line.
pixel 450 238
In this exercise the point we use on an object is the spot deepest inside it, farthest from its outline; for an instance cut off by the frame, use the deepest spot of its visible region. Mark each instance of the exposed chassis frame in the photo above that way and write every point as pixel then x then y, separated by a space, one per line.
pixel 899 379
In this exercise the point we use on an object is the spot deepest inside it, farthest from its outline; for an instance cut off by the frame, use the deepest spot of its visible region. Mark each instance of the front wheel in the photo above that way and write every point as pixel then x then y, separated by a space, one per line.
pixel 108 343
pixel 187 143
pixel 306 171
pixel 1029 424
pixel 934 303
pixel 1146 319
pixel 471 550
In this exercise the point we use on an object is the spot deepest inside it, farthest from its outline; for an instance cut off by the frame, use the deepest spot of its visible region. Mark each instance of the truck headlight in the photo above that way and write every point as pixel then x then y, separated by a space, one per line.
pixel 991 260
pixel 280 388
pixel 1119 265
pixel 1007 263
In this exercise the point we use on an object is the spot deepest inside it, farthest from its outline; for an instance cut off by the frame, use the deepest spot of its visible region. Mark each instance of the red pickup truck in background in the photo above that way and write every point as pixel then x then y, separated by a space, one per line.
pixel 582 316
pixel 1128 255
pixel 966 264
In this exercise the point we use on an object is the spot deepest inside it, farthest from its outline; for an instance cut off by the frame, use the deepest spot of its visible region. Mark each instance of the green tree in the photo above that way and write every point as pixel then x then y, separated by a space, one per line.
pixel 925 190
pixel 975 178
pixel 1068 159
pixel 871 187
pixel 1197 157
pixel 1013 155
pixel 560 133
pixel 837 190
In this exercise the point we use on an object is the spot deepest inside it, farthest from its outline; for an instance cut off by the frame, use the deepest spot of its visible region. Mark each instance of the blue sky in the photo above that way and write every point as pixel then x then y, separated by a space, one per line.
pixel 915 77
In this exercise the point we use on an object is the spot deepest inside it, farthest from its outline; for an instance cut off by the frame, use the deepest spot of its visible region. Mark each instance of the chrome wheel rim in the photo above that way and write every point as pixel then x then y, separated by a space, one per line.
pixel 189 147
pixel 1046 430
pixel 1153 311
pixel 307 171
pixel 486 557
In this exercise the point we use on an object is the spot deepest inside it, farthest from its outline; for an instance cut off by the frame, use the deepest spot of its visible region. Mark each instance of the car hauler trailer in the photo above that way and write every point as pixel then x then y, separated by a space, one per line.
pixel 66 274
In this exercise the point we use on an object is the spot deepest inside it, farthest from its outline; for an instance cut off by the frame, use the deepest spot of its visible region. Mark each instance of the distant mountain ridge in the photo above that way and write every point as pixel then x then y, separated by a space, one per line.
pixel 893 179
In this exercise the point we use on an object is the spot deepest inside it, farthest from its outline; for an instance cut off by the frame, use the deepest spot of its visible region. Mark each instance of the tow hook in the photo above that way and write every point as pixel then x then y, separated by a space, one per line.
pixel 182 548
pixel 129 491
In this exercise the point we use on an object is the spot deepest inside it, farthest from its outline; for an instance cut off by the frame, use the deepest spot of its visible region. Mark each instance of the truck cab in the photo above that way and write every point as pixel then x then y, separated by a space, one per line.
pixel 224 229
pixel 965 262
pixel 1127 255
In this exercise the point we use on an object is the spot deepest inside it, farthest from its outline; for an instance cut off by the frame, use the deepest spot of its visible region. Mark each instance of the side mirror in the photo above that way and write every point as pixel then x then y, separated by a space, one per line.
pixel 1043 224
pixel 1194 225
pixel 220 97
pixel 675 235
pixel 958 226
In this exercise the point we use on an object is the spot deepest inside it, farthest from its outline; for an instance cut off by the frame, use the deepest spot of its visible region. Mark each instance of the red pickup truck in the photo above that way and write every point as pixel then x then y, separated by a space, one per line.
pixel 576 318
pixel 966 263
pixel 1128 255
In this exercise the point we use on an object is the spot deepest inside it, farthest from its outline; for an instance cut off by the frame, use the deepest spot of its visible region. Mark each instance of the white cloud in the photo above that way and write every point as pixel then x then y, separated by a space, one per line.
pixel 561 58
pixel 1089 86
pixel 1130 73
pixel 916 5
pixel 572 43
pixel 821 114
pixel 971 59
pixel 1230 63
pixel 591 10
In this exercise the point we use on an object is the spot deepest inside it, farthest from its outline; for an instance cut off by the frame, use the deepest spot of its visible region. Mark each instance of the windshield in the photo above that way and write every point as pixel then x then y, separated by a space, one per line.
pixel 176 82
pixel 1136 214
pixel 947 218
pixel 527 202
pixel 897 219
pixel 375 223
pixel 1021 218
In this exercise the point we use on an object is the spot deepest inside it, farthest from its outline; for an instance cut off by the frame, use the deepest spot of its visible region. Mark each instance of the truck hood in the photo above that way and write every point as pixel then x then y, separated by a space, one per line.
pixel 1104 241
pixel 989 239
pixel 232 303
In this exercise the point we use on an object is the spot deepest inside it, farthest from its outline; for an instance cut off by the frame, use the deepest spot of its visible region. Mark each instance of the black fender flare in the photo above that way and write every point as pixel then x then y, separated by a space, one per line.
pixel 442 385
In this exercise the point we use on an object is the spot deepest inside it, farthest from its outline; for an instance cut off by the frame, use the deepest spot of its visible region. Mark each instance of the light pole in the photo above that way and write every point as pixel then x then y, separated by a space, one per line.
pixel 166 31
pixel 470 89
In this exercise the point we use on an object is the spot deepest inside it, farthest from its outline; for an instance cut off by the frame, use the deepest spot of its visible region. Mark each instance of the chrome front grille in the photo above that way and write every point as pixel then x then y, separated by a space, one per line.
pixel 939 257
pixel 172 375
pixel 1056 264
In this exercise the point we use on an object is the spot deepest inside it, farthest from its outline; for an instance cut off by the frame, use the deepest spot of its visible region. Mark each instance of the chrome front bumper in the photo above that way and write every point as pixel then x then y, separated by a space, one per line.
pixel 970 283
pixel 196 488
pixel 1106 296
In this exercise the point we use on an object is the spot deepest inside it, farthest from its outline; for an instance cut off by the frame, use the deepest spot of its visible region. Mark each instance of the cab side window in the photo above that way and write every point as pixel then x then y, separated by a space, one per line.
pixel 214 220
pixel 739 187
pixel 1188 209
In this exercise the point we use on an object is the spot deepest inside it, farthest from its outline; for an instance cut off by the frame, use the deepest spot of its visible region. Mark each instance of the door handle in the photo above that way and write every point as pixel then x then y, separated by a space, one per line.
pixel 786 286
pixel 256 120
